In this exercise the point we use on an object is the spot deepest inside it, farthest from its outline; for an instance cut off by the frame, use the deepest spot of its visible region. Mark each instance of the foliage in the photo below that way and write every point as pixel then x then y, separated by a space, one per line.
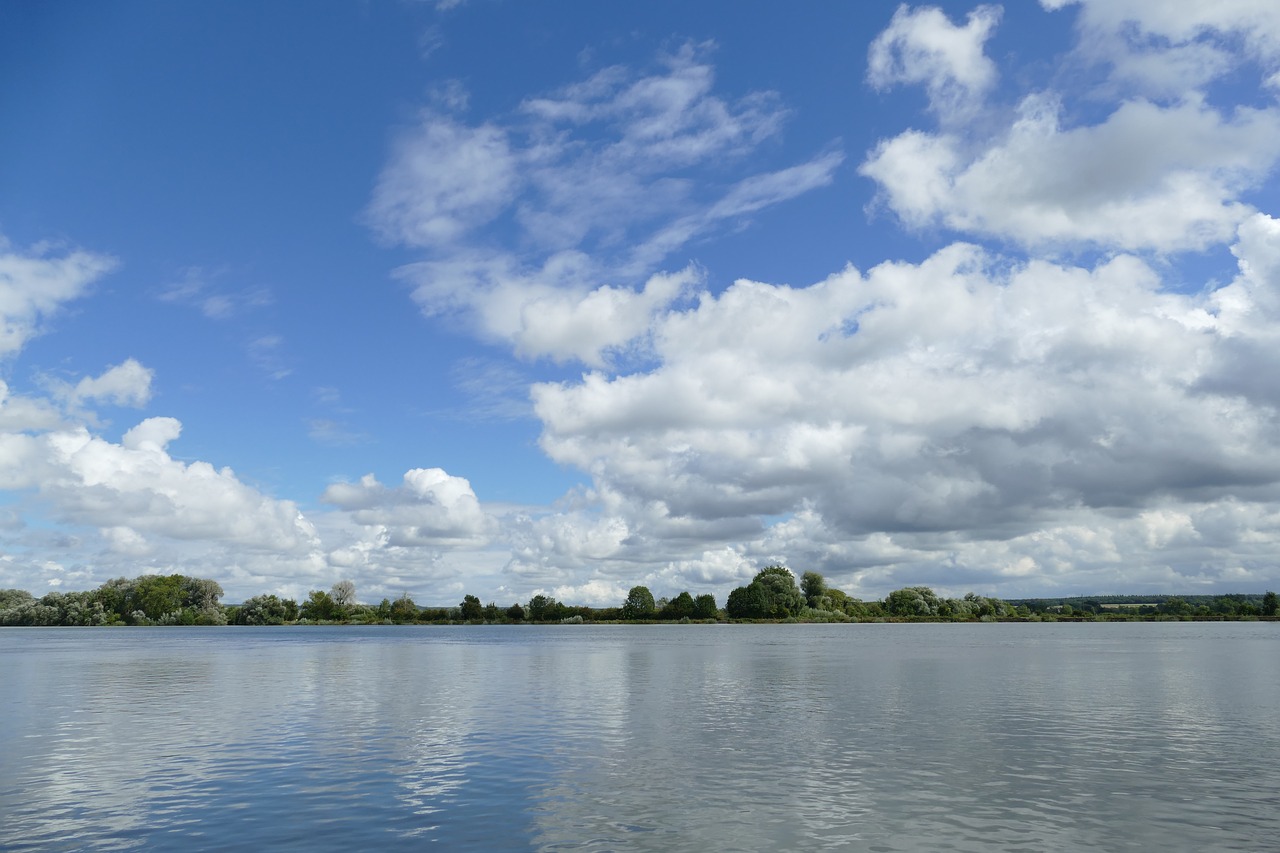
pixel 472 609
pixel 266 610
pixel 544 608
pixel 144 600
pixel 403 609
pixel 11 599
pixel 814 588
pixel 320 607
pixel 772 594
pixel 680 607
pixel 639 604
pixel 918 601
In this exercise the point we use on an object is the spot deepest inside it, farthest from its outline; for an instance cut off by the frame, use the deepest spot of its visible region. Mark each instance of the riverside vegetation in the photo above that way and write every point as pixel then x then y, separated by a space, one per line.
pixel 772 595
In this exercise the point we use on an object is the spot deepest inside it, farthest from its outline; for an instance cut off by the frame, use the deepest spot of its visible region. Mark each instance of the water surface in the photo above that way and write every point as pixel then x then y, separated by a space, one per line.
pixel 746 737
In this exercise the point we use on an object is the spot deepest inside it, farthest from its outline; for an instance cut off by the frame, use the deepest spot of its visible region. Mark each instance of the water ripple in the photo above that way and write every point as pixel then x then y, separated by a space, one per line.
pixel 851 737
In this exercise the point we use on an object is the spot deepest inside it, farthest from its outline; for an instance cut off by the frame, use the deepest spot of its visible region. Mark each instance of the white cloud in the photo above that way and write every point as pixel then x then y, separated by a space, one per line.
pixel 444 178
pixel 137 485
pixel 1148 177
pixel 921 46
pixel 594 178
pixel 430 508
pixel 125 384
pixel 1174 47
pixel 562 325
pixel 193 288
pixel 1179 22
pixel 922 415
pixel 33 285
pixel 152 435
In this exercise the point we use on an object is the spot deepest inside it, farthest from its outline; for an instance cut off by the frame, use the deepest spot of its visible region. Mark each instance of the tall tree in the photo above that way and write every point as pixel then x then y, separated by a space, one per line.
pixel 343 593
pixel 639 604
pixel 814 587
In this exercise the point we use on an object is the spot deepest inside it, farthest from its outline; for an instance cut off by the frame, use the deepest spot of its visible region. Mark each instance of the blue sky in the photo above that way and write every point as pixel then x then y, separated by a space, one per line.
pixel 506 298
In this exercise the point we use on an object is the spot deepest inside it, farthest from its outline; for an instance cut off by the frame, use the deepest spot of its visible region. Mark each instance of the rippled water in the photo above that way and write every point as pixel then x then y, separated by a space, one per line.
pixel 847 737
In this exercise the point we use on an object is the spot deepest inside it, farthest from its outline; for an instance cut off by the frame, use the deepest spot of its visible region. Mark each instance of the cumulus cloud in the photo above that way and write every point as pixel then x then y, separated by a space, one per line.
pixel 1148 177
pixel 429 508
pixel 921 46
pixel 125 384
pixel 958 398
pixel 1166 170
pixel 137 485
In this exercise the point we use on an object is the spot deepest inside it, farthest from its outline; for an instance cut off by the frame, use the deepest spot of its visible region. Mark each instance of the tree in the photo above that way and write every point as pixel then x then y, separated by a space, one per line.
pixel 919 601
pixel 746 602
pixel 1270 604
pixel 13 598
pixel 403 609
pixel 814 588
pixel 772 594
pixel 320 606
pixel 515 613
pixel 472 609
pixel 266 610
pixel 343 593
pixel 639 604
pixel 704 606
pixel 680 607
pixel 543 608
pixel 158 596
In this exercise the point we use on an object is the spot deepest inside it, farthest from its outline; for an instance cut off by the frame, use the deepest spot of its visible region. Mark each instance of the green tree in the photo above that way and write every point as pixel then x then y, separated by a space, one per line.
pixel 772 594
pixel 746 602
pixel 1270 604
pixel 13 598
pixel 266 610
pixel 320 607
pixel 680 607
pixel 639 604
pixel 704 606
pixel 159 597
pixel 814 588
pixel 515 613
pixel 917 601
pixel 403 609
pixel 472 609
pixel 543 608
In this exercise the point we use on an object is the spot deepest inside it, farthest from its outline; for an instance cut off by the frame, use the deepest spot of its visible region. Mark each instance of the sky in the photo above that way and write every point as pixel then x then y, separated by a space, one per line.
pixel 505 299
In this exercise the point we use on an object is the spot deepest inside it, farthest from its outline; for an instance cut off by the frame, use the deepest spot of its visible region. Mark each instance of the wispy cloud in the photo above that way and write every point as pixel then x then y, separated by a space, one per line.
pixel 594 179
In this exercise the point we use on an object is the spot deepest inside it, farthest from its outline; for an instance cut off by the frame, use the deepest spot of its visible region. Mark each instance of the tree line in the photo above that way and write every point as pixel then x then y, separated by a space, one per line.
pixel 772 595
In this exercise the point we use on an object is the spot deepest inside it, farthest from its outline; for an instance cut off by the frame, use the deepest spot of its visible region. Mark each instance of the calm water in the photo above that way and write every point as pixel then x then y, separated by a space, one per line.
pixel 846 737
